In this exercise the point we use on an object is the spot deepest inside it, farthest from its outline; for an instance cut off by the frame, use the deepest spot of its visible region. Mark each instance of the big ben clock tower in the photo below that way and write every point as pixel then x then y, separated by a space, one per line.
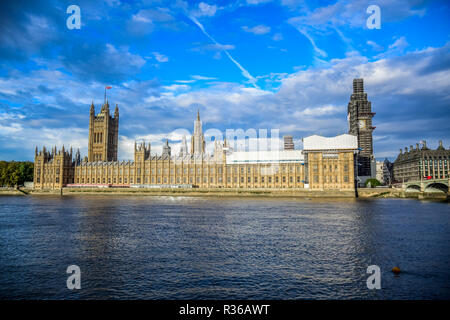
pixel 359 116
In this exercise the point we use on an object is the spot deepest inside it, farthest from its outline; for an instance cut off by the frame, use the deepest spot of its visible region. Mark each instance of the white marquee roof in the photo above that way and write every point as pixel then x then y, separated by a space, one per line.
pixel 343 141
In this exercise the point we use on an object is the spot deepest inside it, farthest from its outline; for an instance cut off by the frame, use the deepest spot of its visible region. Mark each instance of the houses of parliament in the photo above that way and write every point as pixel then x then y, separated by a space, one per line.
pixel 324 163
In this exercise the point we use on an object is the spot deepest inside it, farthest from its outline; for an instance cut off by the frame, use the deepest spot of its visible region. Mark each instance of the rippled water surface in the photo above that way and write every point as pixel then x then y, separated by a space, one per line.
pixel 237 248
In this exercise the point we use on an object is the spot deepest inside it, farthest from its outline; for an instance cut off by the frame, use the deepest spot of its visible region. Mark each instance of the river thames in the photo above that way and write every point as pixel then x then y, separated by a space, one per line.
pixel 234 248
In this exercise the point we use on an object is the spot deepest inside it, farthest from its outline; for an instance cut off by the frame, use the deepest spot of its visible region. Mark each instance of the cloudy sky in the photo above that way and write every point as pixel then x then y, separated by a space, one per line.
pixel 261 64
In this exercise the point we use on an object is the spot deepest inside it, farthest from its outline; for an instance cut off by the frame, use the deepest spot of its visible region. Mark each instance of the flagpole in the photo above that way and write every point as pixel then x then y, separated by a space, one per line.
pixel 105 95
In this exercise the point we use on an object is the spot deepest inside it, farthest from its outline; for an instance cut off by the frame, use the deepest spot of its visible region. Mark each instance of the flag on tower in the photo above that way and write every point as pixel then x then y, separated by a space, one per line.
pixel 106 87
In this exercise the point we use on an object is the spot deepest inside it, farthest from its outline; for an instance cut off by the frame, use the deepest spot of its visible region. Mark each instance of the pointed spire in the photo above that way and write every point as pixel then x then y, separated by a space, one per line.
pixel 198 114
pixel 116 111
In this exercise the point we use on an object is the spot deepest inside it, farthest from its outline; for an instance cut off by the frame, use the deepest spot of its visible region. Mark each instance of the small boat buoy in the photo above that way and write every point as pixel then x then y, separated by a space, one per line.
pixel 396 270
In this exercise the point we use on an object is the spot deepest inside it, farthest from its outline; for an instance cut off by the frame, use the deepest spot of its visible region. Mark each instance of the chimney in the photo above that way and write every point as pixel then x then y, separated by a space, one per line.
pixel 401 151
pixel 417 146
pixel 406 149
pixel 410 148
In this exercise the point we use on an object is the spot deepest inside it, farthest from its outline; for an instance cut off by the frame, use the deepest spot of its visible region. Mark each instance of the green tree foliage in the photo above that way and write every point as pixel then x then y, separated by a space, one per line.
pixel 15 173
pixel 373 183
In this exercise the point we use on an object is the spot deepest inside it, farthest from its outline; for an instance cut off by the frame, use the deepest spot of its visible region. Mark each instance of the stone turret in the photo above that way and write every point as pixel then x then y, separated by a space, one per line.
pixel 198 139
pixel 166 149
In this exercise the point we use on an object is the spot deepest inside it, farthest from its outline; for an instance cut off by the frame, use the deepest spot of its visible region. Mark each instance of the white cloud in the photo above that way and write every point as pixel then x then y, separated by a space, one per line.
pixel 277 37
pixel 374 45
pixel 258 30
pixel 185 81
pixel 256 2
pixel 347 15
pixel 10 116
pixel 13 128
pixel 399 44
pixel 396 48
pixel 197 77
pixel 177 87
pixel 140 17
pixel 319 111
pixel 205 9
pixel 160 57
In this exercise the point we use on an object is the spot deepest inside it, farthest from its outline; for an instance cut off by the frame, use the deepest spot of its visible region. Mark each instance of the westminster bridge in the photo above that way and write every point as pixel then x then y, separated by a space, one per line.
pixel 427 186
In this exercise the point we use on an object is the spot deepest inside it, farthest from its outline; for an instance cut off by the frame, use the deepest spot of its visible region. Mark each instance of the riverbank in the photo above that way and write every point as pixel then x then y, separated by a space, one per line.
pixel 241 192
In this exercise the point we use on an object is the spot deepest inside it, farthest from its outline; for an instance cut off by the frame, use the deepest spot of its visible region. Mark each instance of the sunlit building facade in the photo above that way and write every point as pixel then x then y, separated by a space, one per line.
pixel 422 163
pixel 331 163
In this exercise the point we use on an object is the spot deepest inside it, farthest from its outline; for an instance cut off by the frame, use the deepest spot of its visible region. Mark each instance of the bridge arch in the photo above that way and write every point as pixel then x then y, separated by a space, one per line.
pixel 436 187
pixel 413 188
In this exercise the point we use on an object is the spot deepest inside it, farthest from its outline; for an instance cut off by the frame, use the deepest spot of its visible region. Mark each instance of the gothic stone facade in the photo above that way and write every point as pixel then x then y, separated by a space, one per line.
pixel 103 134
pixel 54 169
pixel 330 169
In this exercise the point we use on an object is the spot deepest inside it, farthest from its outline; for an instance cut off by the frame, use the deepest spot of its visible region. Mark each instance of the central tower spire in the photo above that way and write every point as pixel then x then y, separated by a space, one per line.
pixel 197 140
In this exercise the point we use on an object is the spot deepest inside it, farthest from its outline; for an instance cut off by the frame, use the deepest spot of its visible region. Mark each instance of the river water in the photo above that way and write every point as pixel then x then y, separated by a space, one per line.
pixel 235 248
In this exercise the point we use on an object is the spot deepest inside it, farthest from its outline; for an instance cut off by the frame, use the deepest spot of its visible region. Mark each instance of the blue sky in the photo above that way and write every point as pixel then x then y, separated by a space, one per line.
pixel 262 64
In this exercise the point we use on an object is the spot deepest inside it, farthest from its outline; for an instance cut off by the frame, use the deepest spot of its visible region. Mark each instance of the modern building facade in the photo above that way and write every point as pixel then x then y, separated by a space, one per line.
pixel 325 164
pixel 384 172
pixel 359 115
pixel 387 172
pixel 422 163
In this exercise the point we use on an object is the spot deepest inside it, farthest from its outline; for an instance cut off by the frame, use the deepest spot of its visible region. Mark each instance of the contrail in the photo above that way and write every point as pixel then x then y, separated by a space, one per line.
pixel 317 50
pixel 245 73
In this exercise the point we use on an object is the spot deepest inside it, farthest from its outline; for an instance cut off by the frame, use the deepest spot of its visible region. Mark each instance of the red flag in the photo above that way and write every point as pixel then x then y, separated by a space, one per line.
pixel 108 87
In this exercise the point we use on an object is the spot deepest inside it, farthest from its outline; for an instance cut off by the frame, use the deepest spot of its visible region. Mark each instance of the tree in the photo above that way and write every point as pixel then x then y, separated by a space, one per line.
pixel 372 183
pixel 15 173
